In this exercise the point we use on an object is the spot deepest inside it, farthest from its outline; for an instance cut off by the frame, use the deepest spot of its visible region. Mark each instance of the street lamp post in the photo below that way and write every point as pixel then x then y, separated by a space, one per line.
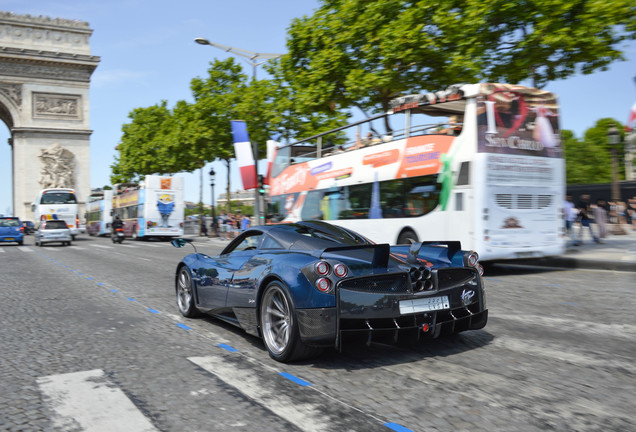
pixel 614 138
pixel 214 228
pixel 254 59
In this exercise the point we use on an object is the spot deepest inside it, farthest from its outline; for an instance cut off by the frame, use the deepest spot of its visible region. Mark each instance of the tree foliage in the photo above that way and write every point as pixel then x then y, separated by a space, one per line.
pixel 589 160
pixel 362 53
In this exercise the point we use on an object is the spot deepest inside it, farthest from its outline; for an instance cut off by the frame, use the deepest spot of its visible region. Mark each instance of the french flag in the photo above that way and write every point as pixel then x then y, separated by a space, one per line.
pixel 272 146
pixel 632 117
pixel 244 155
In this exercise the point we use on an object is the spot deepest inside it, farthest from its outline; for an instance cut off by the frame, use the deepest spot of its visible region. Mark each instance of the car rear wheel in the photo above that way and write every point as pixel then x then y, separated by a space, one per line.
pixel 279 326
pixel 185 294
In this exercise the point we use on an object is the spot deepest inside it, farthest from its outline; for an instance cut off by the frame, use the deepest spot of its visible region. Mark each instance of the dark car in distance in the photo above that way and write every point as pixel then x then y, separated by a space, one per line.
pixel 29 227
pixel 309 285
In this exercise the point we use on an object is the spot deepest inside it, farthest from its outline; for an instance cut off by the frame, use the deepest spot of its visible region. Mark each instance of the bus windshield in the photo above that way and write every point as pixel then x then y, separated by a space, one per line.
pixel 58 198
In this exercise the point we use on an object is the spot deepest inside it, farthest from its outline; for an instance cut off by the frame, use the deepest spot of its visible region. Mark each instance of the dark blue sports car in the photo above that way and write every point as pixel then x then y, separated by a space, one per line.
pixel 308 285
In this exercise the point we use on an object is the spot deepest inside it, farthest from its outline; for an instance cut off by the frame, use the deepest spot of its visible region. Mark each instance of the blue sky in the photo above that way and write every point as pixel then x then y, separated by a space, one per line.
pixel 148 54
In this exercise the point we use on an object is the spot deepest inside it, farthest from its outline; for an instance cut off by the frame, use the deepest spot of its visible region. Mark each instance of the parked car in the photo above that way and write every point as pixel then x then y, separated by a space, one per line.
pixel 308 285
pixel 11 230
pixel 29 227
pixel 51 231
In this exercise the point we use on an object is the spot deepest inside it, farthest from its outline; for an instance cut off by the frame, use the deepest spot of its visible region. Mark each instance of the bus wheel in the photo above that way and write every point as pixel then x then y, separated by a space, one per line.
pixel 407 237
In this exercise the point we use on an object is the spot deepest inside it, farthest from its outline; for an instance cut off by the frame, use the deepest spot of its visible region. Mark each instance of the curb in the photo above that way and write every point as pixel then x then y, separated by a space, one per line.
pixel 579 263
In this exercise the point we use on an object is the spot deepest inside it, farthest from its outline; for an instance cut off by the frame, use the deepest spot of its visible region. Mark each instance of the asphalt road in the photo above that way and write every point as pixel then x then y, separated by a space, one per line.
pixel 91 338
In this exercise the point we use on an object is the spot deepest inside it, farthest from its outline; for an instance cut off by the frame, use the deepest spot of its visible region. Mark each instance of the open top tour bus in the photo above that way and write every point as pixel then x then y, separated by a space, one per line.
pixel 99 212
pixel 478 163
pixel 57 204
pixel 153 208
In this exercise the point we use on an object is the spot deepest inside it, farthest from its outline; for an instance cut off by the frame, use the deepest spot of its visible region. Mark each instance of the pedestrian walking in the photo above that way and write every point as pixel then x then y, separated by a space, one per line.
pixel 570 215
pixel 245 223
pixel 204 228
pixel 600 218
pixel 223 226
pixel 585 219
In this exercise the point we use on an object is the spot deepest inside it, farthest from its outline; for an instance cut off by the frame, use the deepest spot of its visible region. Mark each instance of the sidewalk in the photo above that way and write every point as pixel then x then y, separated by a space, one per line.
pixel 617 252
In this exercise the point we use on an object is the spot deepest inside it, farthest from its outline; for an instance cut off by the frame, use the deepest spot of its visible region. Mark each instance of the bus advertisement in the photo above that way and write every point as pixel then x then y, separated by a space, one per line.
pixel 99 213
pixel 490 174
pixel 57 204
pixel 153 208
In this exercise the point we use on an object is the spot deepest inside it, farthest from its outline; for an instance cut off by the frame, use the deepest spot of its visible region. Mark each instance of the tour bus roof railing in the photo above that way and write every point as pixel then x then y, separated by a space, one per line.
pixel 453 93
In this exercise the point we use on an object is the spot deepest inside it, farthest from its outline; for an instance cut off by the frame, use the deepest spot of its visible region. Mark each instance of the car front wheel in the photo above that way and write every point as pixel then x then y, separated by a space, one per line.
pixel 279 326
pixel 185 294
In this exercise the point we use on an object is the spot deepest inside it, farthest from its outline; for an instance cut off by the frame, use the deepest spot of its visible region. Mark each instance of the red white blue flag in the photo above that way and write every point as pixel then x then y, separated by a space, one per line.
pixel 244 155
pixel 632 118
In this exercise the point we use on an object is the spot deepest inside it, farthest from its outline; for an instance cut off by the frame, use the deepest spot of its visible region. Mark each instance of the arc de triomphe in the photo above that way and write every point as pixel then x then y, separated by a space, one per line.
pixel 45 71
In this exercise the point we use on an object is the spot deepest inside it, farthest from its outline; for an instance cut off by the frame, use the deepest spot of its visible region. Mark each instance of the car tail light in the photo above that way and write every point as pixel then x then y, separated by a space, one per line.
pixel 323 285
pixel 322 268
pixel 76 221
pixel 181 225
pixel 472 258
pixel 148 224
pixel 340 270
pixel 480 268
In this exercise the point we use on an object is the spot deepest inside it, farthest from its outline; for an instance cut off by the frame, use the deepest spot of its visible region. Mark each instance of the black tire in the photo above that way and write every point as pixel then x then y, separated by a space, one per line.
pixel 185 294
pixel 20 243
pixel 279 326
pixel 407 237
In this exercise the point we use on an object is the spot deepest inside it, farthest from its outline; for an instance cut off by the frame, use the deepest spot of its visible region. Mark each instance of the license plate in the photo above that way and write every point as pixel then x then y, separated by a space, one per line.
pixel 427 304
pixel 9 238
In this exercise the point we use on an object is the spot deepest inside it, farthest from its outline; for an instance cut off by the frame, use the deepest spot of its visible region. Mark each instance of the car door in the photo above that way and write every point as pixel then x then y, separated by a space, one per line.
pixel 215 274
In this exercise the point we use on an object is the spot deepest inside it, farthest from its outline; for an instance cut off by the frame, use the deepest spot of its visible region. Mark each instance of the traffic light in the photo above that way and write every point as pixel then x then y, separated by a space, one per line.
pixel 261 187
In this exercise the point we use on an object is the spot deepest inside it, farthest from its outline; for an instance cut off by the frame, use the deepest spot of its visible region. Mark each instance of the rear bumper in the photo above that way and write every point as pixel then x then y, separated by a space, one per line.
pixel 12 238
pixel 390 318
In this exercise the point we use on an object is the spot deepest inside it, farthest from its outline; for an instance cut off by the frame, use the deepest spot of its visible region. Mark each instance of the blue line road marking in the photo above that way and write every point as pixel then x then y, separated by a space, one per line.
pixel 396 427
pixel 153 311
pixel 227 347
pixel 183 326
pixel 295 379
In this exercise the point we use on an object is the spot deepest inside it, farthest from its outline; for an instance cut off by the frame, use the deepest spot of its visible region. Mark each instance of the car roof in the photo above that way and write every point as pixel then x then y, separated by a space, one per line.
pixel 311 235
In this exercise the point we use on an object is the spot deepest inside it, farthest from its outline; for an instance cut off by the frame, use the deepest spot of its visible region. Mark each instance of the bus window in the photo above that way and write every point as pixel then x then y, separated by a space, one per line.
pixel 356 202
pixel 463 178
pixel 422 195
pixel 58 198
pixel 280 206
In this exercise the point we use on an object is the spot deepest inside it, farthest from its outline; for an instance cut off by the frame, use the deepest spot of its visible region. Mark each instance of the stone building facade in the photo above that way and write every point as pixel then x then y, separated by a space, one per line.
pixel 45 71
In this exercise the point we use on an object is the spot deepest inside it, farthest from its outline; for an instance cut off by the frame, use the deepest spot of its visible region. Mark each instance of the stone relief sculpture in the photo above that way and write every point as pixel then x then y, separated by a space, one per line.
pixel 58 166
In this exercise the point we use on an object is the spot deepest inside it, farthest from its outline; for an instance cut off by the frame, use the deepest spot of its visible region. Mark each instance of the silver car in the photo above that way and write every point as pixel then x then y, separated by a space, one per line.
pixel 53 231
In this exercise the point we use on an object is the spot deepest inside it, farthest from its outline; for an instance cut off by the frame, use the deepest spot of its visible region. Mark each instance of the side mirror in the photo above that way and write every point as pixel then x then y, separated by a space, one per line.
pixel 178 242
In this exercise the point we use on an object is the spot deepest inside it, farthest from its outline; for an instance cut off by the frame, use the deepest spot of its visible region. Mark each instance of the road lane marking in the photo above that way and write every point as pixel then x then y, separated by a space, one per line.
pixel 89 400
pixel 101 246
pixel 305 416
pixel 25 249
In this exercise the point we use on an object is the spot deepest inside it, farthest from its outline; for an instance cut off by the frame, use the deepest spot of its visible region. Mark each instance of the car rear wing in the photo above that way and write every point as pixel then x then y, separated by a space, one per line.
pixel 414 251
pixel 381 252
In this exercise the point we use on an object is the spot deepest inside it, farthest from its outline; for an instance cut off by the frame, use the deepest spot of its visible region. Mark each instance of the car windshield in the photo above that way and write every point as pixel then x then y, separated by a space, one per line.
pixel 9 223
pixel 55 224
pixel 58 198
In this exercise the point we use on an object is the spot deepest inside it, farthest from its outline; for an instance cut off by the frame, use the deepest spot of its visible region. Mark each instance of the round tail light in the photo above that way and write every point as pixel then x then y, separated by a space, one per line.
pixel 323 284
pixel 473 257
pixel 322 268
pixel 340 270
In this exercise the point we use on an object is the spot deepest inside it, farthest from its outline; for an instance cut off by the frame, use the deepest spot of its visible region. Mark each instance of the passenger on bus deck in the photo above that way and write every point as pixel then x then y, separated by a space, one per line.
pixel 454 126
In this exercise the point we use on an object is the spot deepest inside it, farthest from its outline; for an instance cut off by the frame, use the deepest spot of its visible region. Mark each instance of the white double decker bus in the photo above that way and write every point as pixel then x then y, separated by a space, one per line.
pixel 478 163
pixel 154 208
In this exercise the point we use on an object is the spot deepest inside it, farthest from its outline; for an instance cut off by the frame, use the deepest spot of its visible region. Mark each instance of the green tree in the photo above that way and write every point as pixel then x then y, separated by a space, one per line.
pixel 590 160
pixel 362 53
